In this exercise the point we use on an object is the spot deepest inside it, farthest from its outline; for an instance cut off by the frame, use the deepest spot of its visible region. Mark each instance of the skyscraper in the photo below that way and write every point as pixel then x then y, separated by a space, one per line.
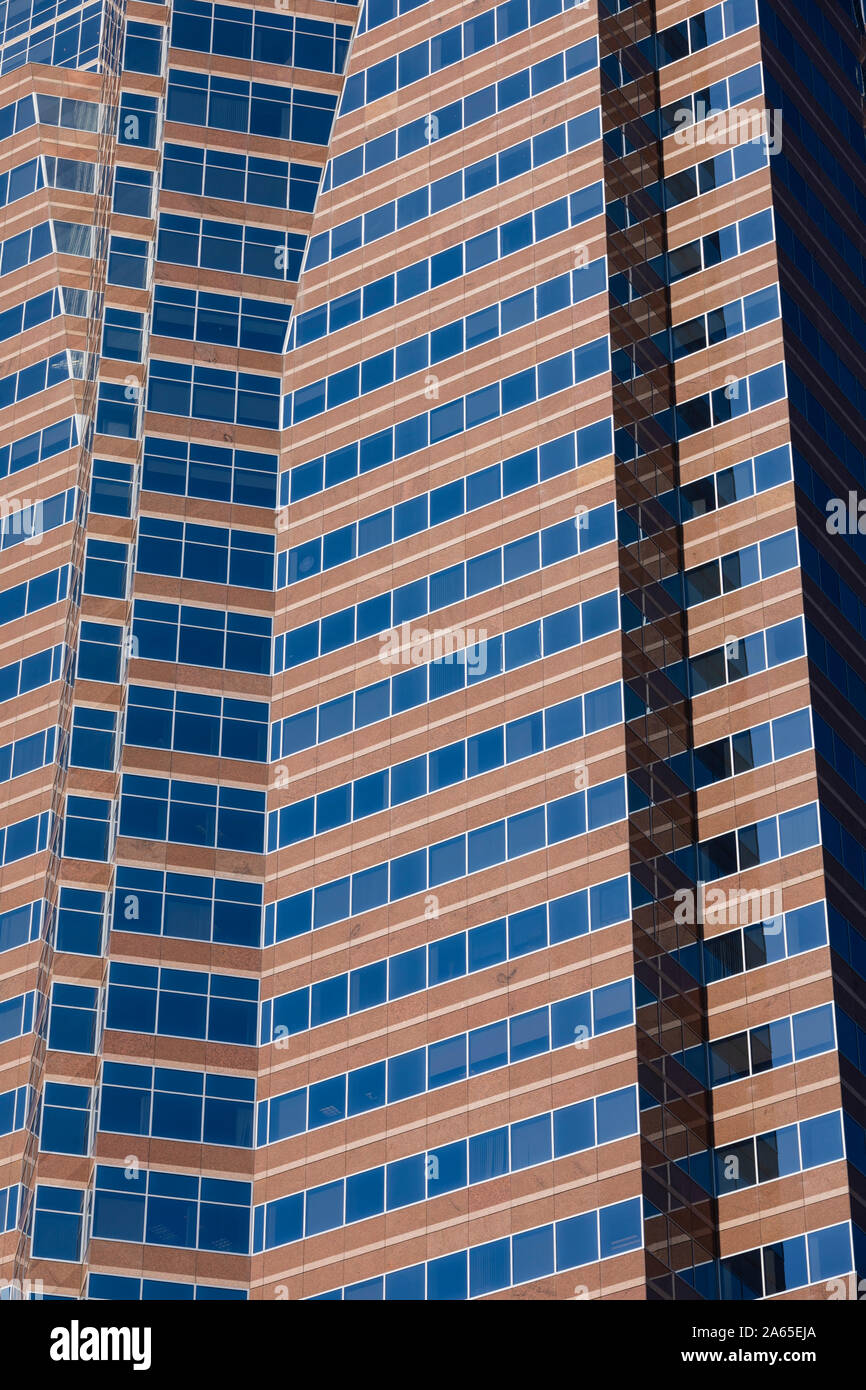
pixel 434 646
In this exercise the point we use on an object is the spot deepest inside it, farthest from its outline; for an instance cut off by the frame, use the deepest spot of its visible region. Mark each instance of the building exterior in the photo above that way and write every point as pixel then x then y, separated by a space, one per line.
pixel 433 639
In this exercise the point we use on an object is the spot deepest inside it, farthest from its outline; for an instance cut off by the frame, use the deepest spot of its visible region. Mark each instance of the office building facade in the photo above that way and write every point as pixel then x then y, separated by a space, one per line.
pixel 433 618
